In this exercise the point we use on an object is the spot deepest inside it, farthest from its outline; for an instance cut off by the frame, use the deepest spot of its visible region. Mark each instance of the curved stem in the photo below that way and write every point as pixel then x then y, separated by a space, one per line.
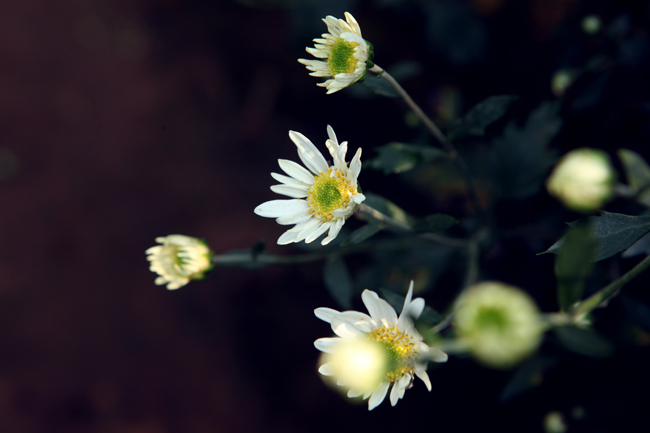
pixel 610 290
pixel 435 131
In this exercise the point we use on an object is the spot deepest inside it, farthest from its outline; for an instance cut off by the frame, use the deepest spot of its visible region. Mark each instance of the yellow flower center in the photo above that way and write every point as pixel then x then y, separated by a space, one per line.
pixel 328 193
pixel 341 59
pixel 400 351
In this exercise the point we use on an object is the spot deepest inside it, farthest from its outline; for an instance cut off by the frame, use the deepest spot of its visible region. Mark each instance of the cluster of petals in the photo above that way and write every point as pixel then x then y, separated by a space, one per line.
pixel 178 260
pixel 350 32
pixel 297 183
pixel 351 325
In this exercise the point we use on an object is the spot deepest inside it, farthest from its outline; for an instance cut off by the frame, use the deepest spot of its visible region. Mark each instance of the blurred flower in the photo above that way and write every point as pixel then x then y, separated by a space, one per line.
pixel 499 324
pixel 331 193
pixel 374 351
pixel 583 180
pixel 179 259
pixel 562 80
pixel 344 51
pixel 591 24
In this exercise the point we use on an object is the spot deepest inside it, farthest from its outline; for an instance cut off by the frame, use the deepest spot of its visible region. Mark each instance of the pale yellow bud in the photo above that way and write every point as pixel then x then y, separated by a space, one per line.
pixel 359 364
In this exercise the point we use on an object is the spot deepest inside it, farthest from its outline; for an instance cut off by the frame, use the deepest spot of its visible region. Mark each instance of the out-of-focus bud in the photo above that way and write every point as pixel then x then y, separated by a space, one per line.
pixel 359 364
pixel 591 24
pixel 499 324
pixel 583 180
pixel 561 81
pixel 179 259
pixel 554 423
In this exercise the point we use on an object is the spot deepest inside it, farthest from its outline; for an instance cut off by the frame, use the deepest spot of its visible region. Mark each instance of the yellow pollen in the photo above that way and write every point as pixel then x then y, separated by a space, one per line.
pixel 400 351
pixel 341 58
pixel 329 193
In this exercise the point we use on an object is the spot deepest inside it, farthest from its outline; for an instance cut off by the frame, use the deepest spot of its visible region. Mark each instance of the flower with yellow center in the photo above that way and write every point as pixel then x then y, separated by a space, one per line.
pixel 179 259
pixel 374 352
pixel 346 54
pixel 323 196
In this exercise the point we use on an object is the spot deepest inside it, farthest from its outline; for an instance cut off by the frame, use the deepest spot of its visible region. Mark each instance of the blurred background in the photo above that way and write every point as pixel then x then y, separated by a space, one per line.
pixel 121 121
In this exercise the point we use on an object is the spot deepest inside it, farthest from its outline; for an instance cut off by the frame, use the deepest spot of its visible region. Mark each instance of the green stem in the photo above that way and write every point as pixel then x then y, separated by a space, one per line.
pixel 610 290
pixel 435 131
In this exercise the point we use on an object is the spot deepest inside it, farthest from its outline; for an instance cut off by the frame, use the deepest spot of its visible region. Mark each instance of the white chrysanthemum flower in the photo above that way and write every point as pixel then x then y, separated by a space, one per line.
pixel 499 324
pixel 344 51
pixel 323 196
pixel 373 352
pixel 179 259
pixel 583 180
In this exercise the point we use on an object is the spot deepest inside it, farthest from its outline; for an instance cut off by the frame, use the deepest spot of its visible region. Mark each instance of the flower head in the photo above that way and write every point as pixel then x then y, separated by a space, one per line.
pixel 323 196
pixel 499 324
pixel 179 259
pixel 583 180
pixel 373 352
pixel 344 51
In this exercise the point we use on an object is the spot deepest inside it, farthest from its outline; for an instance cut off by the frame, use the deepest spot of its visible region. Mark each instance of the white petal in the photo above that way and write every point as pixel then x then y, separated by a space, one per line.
pixel 287 180
pixel 308 152
pixel 378 396
pixel 287 238
pixel 345 329
pixel 295 218
pixel 325 314
pixel 327 344
pixel 291 191
pixel 394 394
pixel 353 393
pixel 296 171
pixel 334 231
pixel 308 229
pixel 279 208
pixel 379 310
pixel 332 135
pixel 358 198
pixel 437 355
pixel 326 369
pixel 424 377
pixel 355 165
pixel 316 233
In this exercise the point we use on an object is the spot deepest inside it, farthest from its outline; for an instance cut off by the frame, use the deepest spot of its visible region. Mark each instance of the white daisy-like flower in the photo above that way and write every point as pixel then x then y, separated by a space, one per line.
pixel 179 259
pixel 344 52
pixel 323 197
pixel 373 352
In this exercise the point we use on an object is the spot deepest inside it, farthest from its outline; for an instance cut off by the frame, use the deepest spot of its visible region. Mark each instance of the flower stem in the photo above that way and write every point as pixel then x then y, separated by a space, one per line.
pixel 608 291
pixel 435 131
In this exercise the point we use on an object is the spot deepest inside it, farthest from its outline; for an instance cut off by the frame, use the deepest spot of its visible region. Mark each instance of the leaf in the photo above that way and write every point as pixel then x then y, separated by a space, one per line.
pixel 636 170
pixel 398 157
pixel 365 232
pixel 379 86
pixel 573 264
pixel 386 207
pixel 528 375
pixel 434 223
pixel 338 282
pixel 520 159
pixel 480 116
pixel 614 232
pixel 584 341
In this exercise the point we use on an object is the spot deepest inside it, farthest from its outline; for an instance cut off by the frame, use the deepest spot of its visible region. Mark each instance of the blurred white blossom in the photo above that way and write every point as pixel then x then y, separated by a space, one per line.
pixel 499 324
pixel 583 180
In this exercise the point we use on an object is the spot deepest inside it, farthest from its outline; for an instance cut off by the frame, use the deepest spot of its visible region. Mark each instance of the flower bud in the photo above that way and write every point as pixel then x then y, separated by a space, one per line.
pixel 179 259
pixel 582 180
pixel 499 324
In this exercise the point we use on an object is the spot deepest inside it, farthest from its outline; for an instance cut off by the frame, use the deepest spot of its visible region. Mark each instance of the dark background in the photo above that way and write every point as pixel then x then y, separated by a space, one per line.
pixel 121 121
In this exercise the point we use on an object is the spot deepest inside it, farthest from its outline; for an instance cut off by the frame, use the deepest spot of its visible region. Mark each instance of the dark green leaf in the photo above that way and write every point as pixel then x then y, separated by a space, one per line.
pixel 520 159
pixel 386 207
pixel 365 232
pixel 636 170
pixel 379 86
pixel 614 233
pixel 528 375
pixel 434 223
pixel 482 115
pixel 398 157
pixel 338 282
pixel 573 264
pixel 584 341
